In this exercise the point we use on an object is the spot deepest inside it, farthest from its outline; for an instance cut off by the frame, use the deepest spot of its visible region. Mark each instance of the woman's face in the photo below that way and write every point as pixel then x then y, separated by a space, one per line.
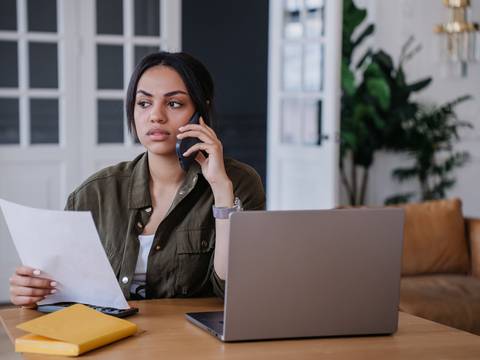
pixel 162 105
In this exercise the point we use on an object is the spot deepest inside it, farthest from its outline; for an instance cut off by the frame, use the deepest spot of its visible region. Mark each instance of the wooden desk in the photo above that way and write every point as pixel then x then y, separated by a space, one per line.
pixel 168 335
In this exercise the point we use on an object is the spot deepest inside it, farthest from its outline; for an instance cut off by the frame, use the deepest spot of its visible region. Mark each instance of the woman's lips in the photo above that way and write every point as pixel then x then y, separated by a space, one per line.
pixel 158 134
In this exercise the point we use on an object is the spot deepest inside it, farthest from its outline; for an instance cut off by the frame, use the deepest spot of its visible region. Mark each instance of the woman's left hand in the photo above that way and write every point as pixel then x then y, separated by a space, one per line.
pixel 213 167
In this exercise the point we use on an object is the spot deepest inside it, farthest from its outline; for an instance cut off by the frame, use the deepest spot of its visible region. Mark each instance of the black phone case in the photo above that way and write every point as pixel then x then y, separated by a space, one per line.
pixel 106 310
pixel 185 144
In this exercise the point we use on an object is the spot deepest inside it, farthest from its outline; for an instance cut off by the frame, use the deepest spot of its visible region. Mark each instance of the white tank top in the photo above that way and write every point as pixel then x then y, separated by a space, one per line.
pixel 140 276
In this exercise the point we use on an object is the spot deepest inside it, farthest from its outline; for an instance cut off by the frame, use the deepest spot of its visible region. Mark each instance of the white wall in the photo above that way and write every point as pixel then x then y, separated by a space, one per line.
pixel 395 21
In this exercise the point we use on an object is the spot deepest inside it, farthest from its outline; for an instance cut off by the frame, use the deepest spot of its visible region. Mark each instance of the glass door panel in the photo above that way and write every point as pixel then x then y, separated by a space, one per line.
pixel 29 72
pixel 9 121
pixel 44 121
pixel 302 69
pixel 313 67
pixel 292 67
pixel 147 18
pixel 126 31
pixel 43 65
pixel 293 28
pixel 312 122
pixel 314 18
pixel 109 17
pixel 8 64
pixel 42 15
pixel 291 121
pixel 8 15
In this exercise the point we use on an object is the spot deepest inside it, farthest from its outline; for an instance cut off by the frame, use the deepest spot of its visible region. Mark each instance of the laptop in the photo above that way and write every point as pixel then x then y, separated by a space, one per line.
pixel 310 273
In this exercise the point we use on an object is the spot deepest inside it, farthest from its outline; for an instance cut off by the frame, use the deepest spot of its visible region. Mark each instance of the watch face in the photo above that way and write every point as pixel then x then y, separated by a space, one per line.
pixel 237 203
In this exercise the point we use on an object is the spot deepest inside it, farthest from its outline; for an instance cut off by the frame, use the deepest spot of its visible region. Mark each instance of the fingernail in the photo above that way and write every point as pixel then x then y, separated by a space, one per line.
pixel 180 128
pixel 185 153
pixel 53 291
pixel 53 283
pixel 36 272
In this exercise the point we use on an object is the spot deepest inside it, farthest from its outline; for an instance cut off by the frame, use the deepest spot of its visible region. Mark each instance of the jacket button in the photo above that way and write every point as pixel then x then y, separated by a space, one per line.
pixel 125 280
pixel 140 225
pixel 157 247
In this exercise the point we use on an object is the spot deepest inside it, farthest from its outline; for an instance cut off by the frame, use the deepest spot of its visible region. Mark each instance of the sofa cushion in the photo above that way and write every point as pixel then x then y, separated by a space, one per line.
pixel 434 238
pixel 453 300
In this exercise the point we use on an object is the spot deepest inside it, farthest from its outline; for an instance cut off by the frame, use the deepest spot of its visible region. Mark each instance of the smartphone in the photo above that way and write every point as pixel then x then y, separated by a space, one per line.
pixel 106 310
pixel 185 144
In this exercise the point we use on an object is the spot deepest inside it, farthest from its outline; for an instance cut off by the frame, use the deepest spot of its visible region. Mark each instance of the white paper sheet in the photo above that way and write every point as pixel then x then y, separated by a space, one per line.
pixel 65 245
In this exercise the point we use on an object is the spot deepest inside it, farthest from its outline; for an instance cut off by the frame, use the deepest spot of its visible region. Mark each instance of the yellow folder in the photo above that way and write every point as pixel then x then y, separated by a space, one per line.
pixel 72 331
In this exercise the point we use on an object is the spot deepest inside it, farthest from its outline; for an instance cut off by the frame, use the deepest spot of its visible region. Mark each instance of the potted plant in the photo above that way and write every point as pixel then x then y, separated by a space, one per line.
pixel 429 138
pixel 376 101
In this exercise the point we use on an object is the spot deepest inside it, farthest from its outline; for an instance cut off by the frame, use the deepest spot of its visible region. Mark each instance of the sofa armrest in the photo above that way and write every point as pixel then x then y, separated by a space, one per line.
pixel 473 236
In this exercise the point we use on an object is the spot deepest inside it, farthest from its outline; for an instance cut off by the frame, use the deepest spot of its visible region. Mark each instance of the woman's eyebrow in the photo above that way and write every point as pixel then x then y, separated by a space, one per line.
pixel 175 92
pixel 144 93
pixel 168 94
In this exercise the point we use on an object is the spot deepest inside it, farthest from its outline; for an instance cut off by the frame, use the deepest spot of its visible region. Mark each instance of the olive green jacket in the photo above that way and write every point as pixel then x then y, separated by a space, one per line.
pixel 180 263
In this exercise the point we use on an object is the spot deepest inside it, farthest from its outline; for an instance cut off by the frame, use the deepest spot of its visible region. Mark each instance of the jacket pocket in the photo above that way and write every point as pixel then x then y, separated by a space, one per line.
pixel 195 260
pixel 195 241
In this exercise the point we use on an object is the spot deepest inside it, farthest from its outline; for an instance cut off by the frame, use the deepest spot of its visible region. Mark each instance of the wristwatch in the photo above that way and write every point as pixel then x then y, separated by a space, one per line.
pixel 224 212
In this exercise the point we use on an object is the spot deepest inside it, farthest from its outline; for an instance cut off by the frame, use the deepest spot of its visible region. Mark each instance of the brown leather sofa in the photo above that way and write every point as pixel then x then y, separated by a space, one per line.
pixel 441 264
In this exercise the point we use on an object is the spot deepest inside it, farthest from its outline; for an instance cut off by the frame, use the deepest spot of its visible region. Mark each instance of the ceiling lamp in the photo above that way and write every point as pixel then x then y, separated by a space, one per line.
pixel 459 42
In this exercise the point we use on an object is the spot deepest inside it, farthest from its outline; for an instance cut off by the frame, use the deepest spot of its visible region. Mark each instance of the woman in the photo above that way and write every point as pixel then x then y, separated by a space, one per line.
pixel 154 219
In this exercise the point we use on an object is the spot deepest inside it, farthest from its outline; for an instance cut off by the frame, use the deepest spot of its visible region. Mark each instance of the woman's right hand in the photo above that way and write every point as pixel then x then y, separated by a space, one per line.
pixel 27 287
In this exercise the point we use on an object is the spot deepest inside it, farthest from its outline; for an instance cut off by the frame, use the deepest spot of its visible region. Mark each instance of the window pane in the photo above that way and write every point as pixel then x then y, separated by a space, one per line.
pixel 292 64
pixel 110 121
pixel 314 24
pixel 312 122
pixel 291 121
pixel 43 65
pixel 141 51
pixel 42 15
pixel 147 17
pixel 109 67
pixel 8 64
pixel 110 17
pixel 44 121
pixel 313 67
pixel 292 22
pixel 9 121
pixel 8 15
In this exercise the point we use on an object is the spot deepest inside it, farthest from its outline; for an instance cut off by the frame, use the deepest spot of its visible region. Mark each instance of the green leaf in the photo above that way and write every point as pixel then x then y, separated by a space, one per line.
pixel 399 199
pixel 402 174
pixel 369 30
pixel 380 90
pixel 364 58
pixel 400 78
pixel 419 85
pixel 384 60
pixel 373 70
pixel 377 120
pixel 348 139
pixel 352 15
pixel 348 79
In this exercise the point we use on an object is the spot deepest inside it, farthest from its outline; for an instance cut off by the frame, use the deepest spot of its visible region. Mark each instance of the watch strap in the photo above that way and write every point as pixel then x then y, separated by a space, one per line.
pixel 224 212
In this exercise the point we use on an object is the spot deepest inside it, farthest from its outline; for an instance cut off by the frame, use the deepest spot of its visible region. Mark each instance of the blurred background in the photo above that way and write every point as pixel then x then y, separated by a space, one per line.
pixel 362 103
